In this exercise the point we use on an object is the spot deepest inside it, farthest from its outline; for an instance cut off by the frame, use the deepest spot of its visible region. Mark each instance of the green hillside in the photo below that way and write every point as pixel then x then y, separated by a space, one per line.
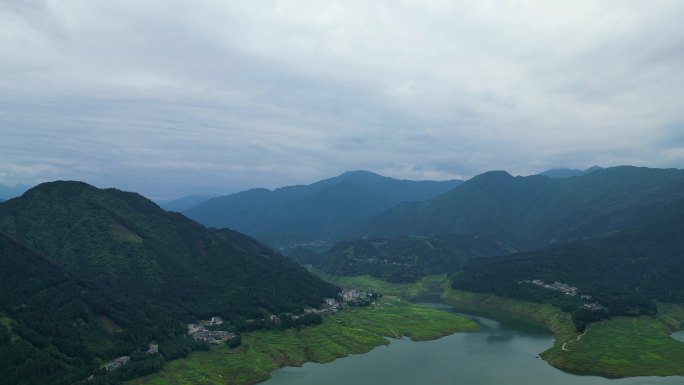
pixel 39 304
pixel 102 273
pixel 317 213
pixel 406 259
pixel 623 272
pixel 55 329
pixel 535 211
pixel 124 242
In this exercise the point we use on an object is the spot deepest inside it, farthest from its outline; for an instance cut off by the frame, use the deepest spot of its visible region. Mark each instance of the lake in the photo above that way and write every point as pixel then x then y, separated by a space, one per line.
pixel 505 351
pixel 679 336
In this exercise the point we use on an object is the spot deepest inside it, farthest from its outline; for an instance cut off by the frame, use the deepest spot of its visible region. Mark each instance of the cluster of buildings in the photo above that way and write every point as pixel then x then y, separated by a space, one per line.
pixel 558 286
pixel 116 363
pixel 193 328
pixel 568 290
pixel 350 295
pixel 594 306
pixel 213 336
pixel 378 261
pixel 347 297
pixel 153 348
pixel 199 332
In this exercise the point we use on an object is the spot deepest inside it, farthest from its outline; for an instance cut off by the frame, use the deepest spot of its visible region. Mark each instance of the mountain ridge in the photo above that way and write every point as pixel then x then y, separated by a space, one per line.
pixel 567 172
pixel 533 211
pixel 112 237
pixel 101 273
pixel 317 212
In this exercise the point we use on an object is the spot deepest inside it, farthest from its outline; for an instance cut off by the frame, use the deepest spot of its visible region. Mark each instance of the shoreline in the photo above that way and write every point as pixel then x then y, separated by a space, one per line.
pixel 360 330
pixel 354 331
pixel 620 347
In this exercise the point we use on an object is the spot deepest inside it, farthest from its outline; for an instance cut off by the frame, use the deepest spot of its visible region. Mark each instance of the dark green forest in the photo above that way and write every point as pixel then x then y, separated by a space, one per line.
pixel 532 212
pixel 408 258
pixel 625 272
pixel 91 274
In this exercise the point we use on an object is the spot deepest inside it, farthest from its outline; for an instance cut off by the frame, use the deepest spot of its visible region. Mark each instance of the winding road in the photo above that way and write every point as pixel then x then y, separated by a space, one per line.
pixel 578 338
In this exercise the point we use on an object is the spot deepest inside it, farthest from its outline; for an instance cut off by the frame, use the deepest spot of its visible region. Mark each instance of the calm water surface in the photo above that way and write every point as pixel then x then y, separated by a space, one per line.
pixel 505 351
pixel 678 335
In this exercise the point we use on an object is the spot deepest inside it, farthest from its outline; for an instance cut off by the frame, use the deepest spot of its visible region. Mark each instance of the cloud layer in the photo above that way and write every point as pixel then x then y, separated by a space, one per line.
pixel 175 97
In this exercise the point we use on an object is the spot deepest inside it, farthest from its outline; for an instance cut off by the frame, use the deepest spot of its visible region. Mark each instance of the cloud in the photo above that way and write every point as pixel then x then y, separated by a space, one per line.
pixel 170 98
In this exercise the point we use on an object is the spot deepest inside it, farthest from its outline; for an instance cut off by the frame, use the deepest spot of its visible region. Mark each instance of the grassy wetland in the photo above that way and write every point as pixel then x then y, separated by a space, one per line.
pixel 615 348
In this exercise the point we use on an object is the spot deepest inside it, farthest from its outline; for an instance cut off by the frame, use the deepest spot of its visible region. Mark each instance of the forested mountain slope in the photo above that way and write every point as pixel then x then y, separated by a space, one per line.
pixel 623 272
pixel 319 212
pixel 89 274
pixel 125 242
pixel 535 211
pixel 407 258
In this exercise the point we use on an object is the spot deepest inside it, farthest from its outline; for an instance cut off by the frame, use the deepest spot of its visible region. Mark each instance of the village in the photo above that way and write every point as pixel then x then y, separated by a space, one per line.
pixel 567 290
pixel 201 331
pixel 347 297
pixel 153 349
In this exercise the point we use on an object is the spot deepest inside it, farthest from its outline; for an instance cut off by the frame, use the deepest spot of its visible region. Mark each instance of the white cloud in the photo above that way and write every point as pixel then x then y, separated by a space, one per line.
pixel 176 97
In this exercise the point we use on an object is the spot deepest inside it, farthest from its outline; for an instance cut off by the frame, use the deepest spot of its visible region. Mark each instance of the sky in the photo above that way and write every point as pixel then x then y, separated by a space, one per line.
pixel 169 98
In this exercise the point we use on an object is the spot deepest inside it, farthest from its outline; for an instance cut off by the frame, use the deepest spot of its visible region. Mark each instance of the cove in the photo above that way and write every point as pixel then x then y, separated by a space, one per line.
pixel 504 351
pixel 679 336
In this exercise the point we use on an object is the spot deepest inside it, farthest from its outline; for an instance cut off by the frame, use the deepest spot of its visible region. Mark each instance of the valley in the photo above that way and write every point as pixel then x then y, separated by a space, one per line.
pixel 95 278
pixel 341 192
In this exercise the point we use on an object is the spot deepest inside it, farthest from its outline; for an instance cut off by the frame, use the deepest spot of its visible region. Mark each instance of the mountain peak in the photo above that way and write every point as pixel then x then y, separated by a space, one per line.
pixel 64 186
pixel 357 174
pixel 493 176
pixel 317 212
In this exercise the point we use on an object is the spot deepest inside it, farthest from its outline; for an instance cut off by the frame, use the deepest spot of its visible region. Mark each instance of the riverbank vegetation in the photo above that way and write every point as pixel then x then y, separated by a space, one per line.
pixel 353 331
pixel 618 347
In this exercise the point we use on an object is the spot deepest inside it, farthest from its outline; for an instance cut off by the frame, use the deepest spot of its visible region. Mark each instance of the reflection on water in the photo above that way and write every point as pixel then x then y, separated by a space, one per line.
pixel 679 336
pixel 499 338
pixel 504 351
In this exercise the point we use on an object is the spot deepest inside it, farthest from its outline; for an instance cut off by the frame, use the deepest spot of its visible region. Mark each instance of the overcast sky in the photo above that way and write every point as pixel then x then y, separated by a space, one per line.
pixel 169 98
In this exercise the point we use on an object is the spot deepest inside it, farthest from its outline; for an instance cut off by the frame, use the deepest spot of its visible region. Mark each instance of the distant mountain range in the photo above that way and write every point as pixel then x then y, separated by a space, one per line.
pixel 615 235
pixel 9 192
pixel 567 173
pixel 531 212
pixel 316 213
pixel 183 203
pixel 89 274
pixel 498 214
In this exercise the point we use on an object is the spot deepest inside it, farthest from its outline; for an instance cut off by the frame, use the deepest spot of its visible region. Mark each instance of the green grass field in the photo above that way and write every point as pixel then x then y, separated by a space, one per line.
pixel 403 290
pixel 354 331
pixel 619 347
